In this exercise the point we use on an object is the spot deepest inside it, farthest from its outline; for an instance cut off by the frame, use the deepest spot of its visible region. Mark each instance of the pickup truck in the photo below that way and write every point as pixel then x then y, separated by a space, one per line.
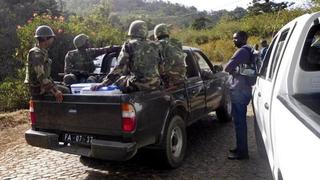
pixel 116 126
pixel 286 101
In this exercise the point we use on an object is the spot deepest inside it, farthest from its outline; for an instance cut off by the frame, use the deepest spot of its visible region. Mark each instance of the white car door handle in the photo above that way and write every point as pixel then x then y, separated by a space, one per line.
pixel 266 105
pixel 259 94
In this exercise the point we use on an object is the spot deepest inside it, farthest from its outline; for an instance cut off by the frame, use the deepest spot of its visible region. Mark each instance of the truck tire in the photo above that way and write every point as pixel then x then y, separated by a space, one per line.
pixel 259 141
pixel 175 143
pixel 86 161
pixel 224 111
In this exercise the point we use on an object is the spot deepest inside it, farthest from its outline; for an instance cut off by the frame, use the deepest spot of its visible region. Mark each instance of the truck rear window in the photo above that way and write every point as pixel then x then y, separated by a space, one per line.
pixel 310 60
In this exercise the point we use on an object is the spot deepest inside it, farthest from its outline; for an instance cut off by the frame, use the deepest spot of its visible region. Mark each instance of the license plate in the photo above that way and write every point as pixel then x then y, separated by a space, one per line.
pixel 77 139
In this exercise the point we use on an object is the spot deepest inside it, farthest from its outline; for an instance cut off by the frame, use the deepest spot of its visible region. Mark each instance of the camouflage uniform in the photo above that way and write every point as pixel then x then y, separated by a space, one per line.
pixel 139 61
pixel 173 70
pixel 79 62
pixel 38 73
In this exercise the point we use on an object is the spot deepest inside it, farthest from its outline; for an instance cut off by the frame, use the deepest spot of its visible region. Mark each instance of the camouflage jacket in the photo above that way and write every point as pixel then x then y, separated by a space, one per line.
pixel 139 62
pixel 38 71
pixel 82 60
pixel 174 67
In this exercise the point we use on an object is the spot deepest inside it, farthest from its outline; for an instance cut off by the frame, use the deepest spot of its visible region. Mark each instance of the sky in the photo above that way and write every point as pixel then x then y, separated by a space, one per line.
pixel 214 5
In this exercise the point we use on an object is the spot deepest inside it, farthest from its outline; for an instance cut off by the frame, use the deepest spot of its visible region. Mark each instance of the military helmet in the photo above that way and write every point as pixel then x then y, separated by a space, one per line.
pixel 138 29
pixel 80 40
pixel 160 30
pixel 44 31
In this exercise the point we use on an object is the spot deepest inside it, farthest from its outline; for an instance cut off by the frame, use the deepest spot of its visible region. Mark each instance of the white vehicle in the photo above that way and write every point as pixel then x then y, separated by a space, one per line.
pixel 286 101
pixel 110 62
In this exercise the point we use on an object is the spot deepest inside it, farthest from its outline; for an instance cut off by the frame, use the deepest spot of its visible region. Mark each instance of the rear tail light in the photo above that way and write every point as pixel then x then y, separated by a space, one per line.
pixel 128 117
pixel 32 113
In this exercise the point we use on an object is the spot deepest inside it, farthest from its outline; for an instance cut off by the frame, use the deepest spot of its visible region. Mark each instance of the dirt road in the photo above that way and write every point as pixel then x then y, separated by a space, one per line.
pixel 208 144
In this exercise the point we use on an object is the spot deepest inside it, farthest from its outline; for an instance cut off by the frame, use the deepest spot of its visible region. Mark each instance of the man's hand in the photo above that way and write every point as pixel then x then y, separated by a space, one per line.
pixel 59 96
pixel 96 87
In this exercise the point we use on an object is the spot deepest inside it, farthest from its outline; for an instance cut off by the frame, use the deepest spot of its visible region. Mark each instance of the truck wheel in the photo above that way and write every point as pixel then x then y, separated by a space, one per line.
pixel 87 161
pixel 259 141
pixel 175 143
pixel 224 111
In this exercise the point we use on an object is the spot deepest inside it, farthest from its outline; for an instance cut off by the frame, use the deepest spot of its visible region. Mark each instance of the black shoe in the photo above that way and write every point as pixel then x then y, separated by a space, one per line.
pixel 235 156
pixel 233 150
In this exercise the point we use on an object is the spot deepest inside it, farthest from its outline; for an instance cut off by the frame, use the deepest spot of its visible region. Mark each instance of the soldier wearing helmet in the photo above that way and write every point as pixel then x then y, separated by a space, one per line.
pixel 79 62
pixel 173 70
pixel 139 60
pixel 38 66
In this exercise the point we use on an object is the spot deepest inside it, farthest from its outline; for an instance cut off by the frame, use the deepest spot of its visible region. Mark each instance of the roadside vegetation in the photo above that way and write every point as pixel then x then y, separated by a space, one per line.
pixel 106 22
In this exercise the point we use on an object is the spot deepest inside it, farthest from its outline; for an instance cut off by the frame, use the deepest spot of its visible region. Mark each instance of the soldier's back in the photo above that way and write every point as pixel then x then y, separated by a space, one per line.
pixel 144 61
pixel 145 58
pixel 173 60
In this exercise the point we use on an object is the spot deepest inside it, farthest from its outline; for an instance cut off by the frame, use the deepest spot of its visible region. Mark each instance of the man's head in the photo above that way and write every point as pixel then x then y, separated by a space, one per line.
pixel 81 41
pixel 161 31
pixel 264 43
pixel 138 29
pixel 45 36
pixel 240 38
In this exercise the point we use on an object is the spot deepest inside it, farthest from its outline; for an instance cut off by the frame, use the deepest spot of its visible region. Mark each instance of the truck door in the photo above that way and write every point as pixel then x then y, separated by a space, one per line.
pixel 263 90
pixel 212 81
pixel 195 89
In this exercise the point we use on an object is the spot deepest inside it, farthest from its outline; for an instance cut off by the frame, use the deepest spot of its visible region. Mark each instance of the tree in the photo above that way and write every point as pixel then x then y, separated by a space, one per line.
pixel 238 13
pixel 315 2
pixel 267 6
pixel 14 14
pixel 200 23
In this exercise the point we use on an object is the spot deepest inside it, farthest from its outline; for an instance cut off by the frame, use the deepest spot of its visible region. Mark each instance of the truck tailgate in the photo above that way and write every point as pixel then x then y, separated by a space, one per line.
pixel 100 115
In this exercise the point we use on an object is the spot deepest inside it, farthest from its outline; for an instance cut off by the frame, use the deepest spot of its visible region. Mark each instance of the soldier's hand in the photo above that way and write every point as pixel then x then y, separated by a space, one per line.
pixel 59 96
pixel 96 87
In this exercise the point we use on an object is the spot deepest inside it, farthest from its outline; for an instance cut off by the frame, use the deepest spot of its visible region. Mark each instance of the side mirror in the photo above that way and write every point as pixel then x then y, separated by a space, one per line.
pixel 217 68
pixel 206 74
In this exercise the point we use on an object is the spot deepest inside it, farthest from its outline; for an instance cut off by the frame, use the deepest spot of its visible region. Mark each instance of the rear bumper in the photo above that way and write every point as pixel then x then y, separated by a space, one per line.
pixel 100 149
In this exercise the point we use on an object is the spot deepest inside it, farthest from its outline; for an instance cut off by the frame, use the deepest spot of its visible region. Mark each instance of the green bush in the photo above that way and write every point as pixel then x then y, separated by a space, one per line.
pixel 100 33
pixel 13 94
pixel 217 41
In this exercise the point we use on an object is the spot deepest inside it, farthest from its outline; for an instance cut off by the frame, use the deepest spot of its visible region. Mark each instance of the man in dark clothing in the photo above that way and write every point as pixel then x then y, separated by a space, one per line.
pixel 264 48
pixel 240 91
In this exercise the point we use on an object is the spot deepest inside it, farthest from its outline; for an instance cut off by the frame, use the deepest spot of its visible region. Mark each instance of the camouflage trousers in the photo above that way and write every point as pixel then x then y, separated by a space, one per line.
pixel 129 84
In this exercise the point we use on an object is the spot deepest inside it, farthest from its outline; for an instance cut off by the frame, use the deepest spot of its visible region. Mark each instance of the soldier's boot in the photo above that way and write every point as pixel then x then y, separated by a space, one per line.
pixel 92 79
pixel 69 79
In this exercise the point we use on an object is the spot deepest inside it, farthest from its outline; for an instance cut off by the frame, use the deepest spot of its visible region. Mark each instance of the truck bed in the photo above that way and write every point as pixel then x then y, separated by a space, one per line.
pixel 80 114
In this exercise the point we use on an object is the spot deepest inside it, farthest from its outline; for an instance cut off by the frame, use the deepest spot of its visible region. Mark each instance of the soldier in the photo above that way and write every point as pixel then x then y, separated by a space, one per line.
pixel 174 69
pixel 79 62
pixel 38 66
pixel 139 60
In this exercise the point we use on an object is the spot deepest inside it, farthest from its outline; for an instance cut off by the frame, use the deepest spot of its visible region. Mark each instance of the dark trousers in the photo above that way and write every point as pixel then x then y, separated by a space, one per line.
pixel 240 100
